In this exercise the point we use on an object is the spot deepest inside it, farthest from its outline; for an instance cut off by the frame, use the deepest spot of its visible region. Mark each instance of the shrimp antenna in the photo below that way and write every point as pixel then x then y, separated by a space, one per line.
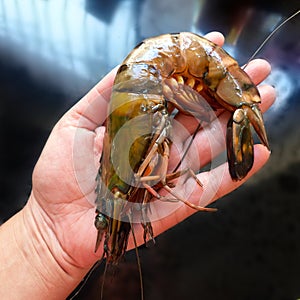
pixel 138 259
pixel 83 283
pixel 270 35
pixel 103 281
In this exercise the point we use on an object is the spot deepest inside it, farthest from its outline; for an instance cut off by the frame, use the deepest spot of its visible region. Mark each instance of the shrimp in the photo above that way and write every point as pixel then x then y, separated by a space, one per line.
pixel 160 74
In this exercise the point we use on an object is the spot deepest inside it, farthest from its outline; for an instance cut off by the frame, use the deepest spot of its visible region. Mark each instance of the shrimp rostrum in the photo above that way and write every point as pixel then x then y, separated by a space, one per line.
pixel 161 74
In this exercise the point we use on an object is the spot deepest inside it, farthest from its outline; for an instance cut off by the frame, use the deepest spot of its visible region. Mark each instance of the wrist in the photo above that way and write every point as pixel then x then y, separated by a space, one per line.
pixel 33 259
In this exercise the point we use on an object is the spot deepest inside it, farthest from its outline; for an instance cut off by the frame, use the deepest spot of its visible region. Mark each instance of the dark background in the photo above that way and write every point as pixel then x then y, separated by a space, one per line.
pixel 53 52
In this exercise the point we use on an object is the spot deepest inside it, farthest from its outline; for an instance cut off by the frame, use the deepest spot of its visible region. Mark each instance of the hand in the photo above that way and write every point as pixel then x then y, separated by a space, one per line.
pixel 60 214
pixel 64 176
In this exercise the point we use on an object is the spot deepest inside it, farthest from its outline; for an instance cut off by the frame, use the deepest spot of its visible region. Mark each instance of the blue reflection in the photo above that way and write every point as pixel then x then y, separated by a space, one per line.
pixel 159 17
pixel 74 46
pixel 285 87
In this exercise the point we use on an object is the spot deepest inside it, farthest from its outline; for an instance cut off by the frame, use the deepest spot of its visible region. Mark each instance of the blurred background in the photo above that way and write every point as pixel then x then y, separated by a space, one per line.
pixel 52 52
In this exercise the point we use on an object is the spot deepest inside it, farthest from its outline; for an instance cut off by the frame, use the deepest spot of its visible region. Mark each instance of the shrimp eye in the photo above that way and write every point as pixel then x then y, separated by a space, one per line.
pixel 101 222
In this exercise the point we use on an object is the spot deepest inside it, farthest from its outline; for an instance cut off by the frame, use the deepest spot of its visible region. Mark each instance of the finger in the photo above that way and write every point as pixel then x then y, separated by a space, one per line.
pixel 217 183
pixel 226 184
pixel 216 37
pixel 91 111
pixel 258 70
pixel 268 96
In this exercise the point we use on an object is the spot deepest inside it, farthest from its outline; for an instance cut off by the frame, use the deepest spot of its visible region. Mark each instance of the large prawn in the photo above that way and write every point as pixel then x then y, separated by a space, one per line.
pixel 160 74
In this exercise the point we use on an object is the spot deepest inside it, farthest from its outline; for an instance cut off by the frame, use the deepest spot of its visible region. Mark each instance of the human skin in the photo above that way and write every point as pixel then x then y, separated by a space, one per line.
pixel 48 247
